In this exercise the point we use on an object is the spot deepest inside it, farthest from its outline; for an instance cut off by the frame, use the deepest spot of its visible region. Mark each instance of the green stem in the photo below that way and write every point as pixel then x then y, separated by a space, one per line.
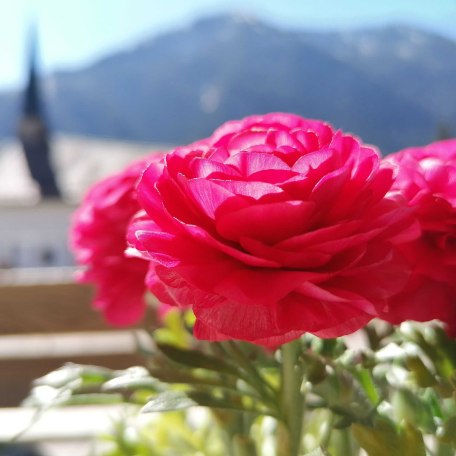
pixel 252 377
pixel 326 437
pixel 341 443
pixel 292 400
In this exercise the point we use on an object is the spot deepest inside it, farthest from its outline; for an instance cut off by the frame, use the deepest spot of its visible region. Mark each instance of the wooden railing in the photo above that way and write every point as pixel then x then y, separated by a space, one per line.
pixel 46 320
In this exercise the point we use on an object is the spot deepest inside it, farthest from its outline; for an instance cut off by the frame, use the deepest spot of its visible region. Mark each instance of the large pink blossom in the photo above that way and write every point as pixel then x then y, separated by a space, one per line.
pixel 427 179
pixel 98 239
pixel 274 227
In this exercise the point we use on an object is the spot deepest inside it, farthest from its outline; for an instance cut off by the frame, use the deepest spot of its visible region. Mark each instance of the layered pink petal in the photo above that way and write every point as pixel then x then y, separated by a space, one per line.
pixel 269 223
pixel 275 226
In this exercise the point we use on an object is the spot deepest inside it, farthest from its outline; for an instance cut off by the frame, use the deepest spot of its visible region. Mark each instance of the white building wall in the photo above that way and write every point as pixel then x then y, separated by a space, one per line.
pixel 35 236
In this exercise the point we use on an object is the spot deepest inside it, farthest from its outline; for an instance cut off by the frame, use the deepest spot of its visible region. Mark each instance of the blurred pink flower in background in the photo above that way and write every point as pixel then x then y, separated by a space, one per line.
pixel 427 179
pixel 98 239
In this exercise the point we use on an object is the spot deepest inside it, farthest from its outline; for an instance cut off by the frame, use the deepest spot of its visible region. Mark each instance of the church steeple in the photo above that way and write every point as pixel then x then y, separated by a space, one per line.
pixel 33 131
pixel 32 102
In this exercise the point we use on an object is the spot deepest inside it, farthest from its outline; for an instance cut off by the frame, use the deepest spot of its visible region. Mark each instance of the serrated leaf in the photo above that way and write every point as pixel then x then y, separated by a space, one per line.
pixel 204 383
pixel 46 396
pixel 58 378
pixel 168 401
pixel 197 359
pixel 136 377
pixel 130 383
pixel 69 372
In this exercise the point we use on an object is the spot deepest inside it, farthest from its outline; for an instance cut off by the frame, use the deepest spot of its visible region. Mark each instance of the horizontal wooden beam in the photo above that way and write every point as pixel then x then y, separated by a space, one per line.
pixel 59 345
pixel 47 320
pixel 49 308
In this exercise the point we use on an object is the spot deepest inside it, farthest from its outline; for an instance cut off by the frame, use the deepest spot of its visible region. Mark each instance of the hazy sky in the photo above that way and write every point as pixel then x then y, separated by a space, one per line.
pixel 73 33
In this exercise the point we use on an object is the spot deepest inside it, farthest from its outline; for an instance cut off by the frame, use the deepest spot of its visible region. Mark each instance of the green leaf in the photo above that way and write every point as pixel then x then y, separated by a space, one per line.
pixel 384 439
pixel 125 382
pixel 167 375
pixel 168 401
pixel 205 383
pixel 432 399
pixel 197 359
pixel 379 441
pixel 208 400
pixel 412 441
pixel 435 349
pixel 410 408
pixel 173 330
pixel 448 432
pixel 136 377
pixel 421 374
pixel 93 399
pixel 71 372
pixel 94 375
pixel 437 336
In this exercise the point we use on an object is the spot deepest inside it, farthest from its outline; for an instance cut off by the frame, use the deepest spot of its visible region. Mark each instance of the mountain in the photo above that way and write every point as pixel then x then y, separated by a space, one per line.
pixel 391 86
pixel 417 65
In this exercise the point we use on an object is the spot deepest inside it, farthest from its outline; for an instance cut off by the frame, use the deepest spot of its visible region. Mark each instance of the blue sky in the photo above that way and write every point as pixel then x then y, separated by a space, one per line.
pixel 73 33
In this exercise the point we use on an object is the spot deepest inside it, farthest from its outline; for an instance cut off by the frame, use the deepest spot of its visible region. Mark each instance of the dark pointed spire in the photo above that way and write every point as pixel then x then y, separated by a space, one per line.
pixel 33 131
pixel 32 102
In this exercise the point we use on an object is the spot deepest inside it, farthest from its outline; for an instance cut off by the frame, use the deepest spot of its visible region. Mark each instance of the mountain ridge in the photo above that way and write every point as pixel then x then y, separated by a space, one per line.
pixel 179 86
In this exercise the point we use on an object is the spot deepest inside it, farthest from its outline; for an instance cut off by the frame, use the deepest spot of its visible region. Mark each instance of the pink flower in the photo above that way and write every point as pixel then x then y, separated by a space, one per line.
pixel 427 179
pixel 98 239
pixel 274 227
